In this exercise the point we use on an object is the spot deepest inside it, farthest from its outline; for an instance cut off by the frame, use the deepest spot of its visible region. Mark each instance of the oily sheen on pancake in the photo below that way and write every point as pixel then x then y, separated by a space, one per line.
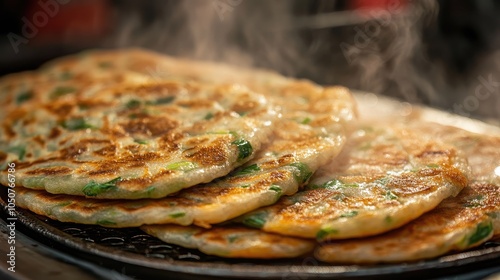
pixel 385 177
pixel 458 223
pixel 132 141
pixel 297 149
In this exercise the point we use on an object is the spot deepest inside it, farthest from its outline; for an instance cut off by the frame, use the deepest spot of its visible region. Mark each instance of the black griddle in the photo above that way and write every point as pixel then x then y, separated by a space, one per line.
pixel 132 251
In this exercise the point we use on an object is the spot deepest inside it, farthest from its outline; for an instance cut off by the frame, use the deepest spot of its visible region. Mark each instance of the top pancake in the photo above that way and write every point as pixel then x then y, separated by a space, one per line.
pixel 134 140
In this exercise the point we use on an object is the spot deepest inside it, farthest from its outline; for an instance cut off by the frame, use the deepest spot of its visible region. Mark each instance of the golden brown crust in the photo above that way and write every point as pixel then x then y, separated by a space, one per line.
pixel 89 134
pixel 385 178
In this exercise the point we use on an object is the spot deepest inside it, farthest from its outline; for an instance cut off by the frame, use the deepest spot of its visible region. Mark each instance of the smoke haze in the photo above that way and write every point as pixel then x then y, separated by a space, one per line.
pixel 385 52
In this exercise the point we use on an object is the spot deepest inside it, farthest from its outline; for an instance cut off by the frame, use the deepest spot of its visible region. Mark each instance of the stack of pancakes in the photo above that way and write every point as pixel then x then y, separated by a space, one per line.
pixel 241 163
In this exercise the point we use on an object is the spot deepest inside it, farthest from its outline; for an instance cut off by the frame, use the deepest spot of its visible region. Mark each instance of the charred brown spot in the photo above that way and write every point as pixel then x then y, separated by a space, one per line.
pixel 456 176
pixel 429 172
pixel 410 184
pixel 17 114
pixel 170 137
pixel 153 126
pixel 106 151
pixel 56 170
pixel 22 165
pixel 80 147
pixel 60 109
pixel 54 133
pixel 204 193
pixel 157 89
pixel 134 160
pixel 103 171
pixel 7 127
pixel 39 139
pixel 3 156
pixel 93 103
pixel 433 155
pixel 74 150
pixel 274 177
pixel 137 183
pixel 215 154
pixel 193 142
pixel 242 106
pixel 282 160
pixel 195 103
pixel 63 142
pixel 285 159
pixel 106 167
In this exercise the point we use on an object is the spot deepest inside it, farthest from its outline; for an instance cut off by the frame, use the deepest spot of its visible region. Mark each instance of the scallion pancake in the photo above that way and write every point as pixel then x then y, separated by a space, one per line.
pixel 458 223
pixel 232 242
pixel 385 177
pixel 135 140
pixel 295 151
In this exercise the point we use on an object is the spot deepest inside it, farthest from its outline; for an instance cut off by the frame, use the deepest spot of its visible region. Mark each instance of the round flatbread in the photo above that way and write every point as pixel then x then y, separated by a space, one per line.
pixel 385 177
pixel 232 242
pixel 133 141
pixel 456 224
pixel 280 168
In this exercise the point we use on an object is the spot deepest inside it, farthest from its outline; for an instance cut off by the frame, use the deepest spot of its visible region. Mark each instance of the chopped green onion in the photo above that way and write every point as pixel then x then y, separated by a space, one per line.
pixel 177 215
pixel 132 104
pixel 139 141
pixel 349 214
pixel 93 188
pixel 277 189
pixel 65 76
pixel 24 96
pixel 303 174
pixel 208 116
pixel 257 220
pixel 232 238
pixel 60 91
pixel 245 149
pixel 483 230
pixel 248 170
pixel 324 232
pixel 388 219
pixel 390 196
pixel 76 124
pixel 162 100
pixel 307 120
pixel 20 151
pixel 182 166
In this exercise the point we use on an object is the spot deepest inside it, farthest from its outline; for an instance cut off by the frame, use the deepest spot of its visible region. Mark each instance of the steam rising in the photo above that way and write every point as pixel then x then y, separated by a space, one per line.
pixel 284 36
pixel 235 32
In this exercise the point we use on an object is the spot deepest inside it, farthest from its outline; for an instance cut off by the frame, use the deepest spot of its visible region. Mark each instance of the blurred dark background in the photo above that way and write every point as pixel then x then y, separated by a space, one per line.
pixel 441 53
